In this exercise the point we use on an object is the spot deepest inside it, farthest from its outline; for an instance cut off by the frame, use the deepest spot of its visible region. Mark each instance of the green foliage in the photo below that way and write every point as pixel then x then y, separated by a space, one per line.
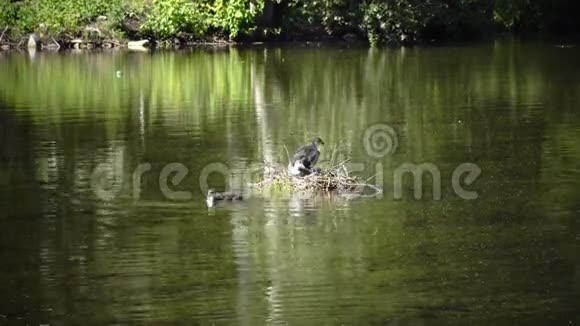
pixel 395 21
pixel 229 17
pixel 380 21
pixel 392 21
pixel 135 8
pixel 7 13
pixel 332 15
pixel 508 13
pixel 235 17
pixel 169 17
pixel 57 16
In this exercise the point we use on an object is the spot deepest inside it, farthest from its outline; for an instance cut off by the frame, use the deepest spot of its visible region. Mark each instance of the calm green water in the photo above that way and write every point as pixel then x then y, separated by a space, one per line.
pixel 69 256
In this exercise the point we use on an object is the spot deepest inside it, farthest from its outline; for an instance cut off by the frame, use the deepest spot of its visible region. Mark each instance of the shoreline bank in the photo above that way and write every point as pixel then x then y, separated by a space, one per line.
pixel 51 44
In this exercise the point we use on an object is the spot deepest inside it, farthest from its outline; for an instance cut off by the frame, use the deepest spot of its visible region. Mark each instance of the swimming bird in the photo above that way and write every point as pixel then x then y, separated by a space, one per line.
pixel 213 197
pixel 305 158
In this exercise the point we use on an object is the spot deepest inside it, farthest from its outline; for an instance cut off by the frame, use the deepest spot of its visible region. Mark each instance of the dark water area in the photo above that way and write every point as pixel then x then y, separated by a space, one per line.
pixel 89 234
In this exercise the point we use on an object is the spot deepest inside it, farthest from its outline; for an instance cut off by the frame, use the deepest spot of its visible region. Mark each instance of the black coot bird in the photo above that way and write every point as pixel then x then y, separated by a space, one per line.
pixel 214 197
pixel 305 158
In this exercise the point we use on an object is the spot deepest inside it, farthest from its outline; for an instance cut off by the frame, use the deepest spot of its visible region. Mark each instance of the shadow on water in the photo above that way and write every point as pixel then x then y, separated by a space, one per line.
pixel 69 256
pixel 22 204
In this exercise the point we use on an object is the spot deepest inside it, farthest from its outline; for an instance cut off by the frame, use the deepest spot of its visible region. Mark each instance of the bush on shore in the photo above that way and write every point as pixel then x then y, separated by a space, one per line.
pixel 167 18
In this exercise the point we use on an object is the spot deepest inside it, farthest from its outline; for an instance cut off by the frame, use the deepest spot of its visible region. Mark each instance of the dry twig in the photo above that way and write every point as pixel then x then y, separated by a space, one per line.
pixel 55 42
pixel 4 31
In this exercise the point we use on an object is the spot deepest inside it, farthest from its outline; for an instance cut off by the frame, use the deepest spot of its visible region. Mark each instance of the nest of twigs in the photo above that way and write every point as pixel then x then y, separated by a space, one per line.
pixel 335 178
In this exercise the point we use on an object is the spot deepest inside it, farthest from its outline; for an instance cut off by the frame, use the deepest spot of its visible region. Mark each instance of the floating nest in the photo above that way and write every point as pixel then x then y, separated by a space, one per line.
pixel 334 179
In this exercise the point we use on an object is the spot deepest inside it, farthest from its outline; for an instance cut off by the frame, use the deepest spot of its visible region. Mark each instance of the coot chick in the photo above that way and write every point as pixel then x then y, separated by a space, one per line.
pixel 305 158
pixel 213 197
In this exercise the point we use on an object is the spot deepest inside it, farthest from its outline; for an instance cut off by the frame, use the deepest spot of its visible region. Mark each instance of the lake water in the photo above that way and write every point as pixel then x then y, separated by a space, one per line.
pixel 83 241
